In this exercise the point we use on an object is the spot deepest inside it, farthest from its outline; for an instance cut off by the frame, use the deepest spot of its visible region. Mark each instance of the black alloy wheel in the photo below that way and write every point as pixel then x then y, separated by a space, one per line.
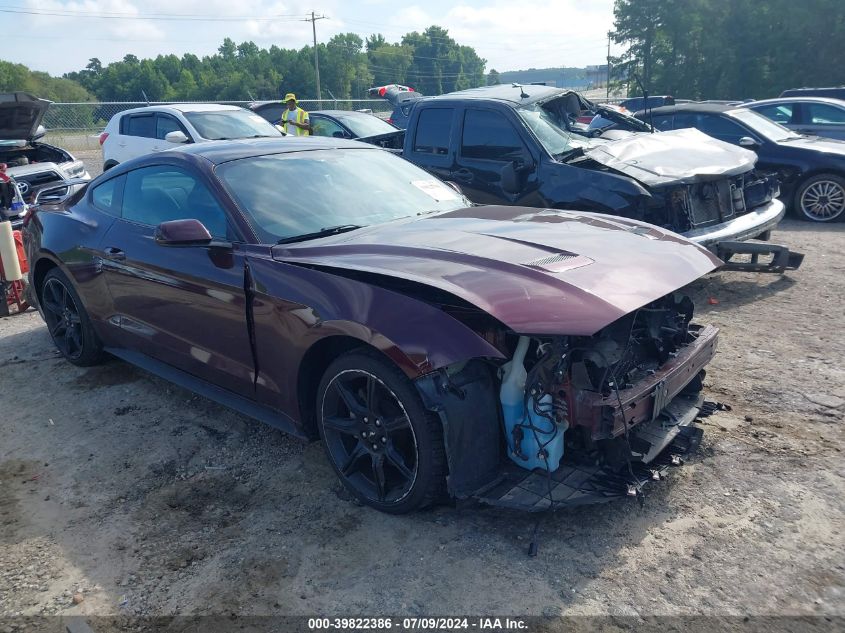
pixel 67 321
pixel 383 444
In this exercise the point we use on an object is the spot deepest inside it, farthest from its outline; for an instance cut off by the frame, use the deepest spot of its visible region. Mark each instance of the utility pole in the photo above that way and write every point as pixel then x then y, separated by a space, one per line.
pixel 608 66
pixel 313 20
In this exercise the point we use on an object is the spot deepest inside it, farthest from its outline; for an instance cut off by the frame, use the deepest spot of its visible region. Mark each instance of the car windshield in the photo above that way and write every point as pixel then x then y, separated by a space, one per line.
pixel 226 124
pixel 294 194
pixel 762 125
pixel 554 138
pixel 363 125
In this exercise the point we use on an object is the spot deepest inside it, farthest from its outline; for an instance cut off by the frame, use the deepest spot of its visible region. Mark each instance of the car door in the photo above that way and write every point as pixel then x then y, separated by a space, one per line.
pixel 137 135
pixel 822 119
pixel 490 144
pixel 183 305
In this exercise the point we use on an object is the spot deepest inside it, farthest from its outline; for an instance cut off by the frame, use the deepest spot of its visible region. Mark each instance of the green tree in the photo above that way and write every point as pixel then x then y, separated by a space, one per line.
pixel 729 49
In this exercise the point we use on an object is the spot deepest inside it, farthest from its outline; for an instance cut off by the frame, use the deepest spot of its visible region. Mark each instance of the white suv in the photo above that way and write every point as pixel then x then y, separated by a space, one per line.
pixel 141 131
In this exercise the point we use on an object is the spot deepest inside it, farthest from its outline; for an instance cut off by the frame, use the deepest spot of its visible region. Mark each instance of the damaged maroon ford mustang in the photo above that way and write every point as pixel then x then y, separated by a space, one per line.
pixel 523 357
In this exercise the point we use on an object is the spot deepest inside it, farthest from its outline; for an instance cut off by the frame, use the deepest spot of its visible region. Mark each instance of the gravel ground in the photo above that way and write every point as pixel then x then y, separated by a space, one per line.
pixel 121 494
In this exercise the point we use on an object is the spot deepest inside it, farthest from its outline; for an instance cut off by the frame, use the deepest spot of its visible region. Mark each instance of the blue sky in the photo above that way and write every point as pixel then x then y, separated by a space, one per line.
pixel 509 34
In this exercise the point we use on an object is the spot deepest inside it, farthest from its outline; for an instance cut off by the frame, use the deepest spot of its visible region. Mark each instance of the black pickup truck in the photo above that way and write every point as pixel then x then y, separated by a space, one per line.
pixel 513 144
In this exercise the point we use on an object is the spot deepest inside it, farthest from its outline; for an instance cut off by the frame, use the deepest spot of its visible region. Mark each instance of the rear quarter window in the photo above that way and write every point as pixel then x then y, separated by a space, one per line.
pixel 434 128
pixel 106 196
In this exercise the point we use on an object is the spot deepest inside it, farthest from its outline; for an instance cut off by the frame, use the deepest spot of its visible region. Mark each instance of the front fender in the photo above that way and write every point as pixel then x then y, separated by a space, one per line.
pixel 295 307
pixel 576 187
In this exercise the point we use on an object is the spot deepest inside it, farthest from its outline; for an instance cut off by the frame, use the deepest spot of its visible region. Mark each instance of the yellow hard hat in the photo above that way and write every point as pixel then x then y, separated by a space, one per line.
pixel 290 96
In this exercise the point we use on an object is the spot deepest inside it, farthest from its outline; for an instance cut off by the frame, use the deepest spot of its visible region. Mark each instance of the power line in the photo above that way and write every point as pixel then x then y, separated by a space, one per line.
pixel 141 16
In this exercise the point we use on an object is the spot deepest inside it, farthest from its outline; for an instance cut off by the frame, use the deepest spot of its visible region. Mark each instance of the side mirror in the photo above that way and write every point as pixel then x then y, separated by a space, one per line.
pixel 512 172
pixel 340 134
pixel 182 233
pixel 40 131
pixel 510 179
pixel 750 143
pixel 176 136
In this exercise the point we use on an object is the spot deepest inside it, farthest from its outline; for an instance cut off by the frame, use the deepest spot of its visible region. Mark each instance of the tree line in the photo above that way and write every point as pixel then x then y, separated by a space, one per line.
pixel 17 77
pixel 430 61
pixel 729 49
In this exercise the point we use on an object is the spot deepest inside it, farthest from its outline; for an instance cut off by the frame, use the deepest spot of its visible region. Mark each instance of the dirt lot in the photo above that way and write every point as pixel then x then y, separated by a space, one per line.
pixel 136 497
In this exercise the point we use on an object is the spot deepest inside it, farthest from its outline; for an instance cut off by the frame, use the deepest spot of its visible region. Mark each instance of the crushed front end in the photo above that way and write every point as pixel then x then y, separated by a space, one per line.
pixel 724 214
pixel 624 399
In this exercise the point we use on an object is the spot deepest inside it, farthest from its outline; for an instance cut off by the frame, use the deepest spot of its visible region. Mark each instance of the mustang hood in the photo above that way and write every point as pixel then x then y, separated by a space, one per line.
pixel 20 115
pixel 536 271
pixel 675 157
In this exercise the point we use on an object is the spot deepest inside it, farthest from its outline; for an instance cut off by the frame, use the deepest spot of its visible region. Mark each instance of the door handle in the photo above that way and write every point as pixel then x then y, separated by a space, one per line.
pixel 463 174
pixel 114 254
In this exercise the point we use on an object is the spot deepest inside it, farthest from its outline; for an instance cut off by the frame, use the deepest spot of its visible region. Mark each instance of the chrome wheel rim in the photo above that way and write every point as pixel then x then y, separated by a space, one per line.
pixel 62 317
pixel 369 437
pixel 823 201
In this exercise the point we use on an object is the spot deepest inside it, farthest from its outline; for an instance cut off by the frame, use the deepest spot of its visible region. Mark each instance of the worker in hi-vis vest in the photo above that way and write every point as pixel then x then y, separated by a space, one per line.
pixel 295 119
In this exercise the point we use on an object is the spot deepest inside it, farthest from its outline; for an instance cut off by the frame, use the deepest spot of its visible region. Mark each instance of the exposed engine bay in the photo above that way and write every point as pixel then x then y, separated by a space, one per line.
pixel 33 153
pixel 588 418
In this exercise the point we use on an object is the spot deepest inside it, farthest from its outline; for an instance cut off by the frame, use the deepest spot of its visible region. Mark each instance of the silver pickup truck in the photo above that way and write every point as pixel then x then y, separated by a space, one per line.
pixel 32 164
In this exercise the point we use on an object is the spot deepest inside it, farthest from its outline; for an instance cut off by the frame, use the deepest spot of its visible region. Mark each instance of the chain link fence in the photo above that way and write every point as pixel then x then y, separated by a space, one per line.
pixel 76 127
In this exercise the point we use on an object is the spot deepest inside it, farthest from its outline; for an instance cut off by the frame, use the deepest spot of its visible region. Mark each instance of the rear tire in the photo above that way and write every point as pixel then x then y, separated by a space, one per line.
pixel 384 445
pixel 821 198
pixel 68 322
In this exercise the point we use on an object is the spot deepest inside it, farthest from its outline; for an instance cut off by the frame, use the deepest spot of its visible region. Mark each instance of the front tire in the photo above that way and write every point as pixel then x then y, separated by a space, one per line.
pixel 383 444
pixel 68 322
pixel 821 198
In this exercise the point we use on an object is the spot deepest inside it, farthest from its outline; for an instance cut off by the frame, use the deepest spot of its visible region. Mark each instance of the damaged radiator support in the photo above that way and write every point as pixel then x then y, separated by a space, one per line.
pixel 466 405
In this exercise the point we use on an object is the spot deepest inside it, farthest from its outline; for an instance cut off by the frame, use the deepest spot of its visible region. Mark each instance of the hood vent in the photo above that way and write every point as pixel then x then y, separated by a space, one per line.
pixel 560 262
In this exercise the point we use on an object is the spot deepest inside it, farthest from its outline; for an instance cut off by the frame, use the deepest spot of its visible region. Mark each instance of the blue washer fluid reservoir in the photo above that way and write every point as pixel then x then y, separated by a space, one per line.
pixel 546 434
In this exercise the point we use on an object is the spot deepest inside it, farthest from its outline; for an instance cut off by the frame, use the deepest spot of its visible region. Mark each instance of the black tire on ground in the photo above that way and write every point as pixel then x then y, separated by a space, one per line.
pixel 68 322
pixel 821 198
pixel 384 446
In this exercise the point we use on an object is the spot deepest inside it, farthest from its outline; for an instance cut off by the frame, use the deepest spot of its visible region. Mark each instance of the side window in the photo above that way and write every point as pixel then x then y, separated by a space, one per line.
pixel 722 129
pixel 273 113
pixel 434 127
pixel 153 195
pixel 822 113
pixel 139 125
pixel 326 127
pixel 166 124
pixel 779 113
pixel 662 122
pixel 106 196
pixel 684 120
pixel 490 136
